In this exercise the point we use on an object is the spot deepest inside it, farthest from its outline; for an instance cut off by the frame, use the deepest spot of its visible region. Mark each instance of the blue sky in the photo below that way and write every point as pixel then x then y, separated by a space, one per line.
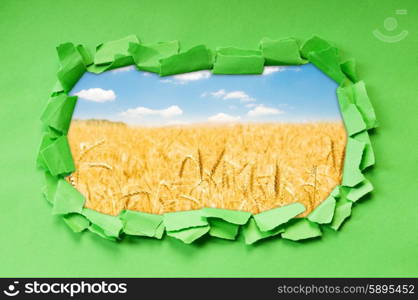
pixel 281 94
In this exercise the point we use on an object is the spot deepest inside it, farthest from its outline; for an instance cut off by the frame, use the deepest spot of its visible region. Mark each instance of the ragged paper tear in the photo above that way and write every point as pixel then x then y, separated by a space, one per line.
pixel 67 199
pixel 352 174
pixel 106 52
pixel 58 112
pixel 222 229
pixel 238 61
pixel 253 234
pixel 195 59
pixel 352 120
pixel 270 219
pixel 76 222
pixel 368 158
pixel 329 62
pixel 72 66
pixel 281 52
pixel 142 224
pixel 225 223
pixel 301 229
pixel 342 212
pixel 189 235
pixel 324 212
pixel 184 219
pixel 349 69
pixel 147 57
pixel 324 56
pixel 357 94
pixel 360 190
pixel 57 157
pixel 314 44
pixel 228 215
pixel 106 226
pixel 51 183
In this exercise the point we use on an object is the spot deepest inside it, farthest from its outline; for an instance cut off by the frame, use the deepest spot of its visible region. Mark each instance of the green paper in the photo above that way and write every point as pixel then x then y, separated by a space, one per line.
pixel 229 215
pixel 50 187
pixel 281 52
pixel 58 112
pixel 72 66
pixel 76 222
pixel 195 59
pixel 101 232
pixel 359 191
pixel 253 234
pixel 353 156
pixel 47 139
pixel 97 69
pixel 353 121
pixel 184 219
pixel 349 69
pixel 272 218
pixel 104 225
pixel 119 62
pixel 314 44
pixel 336 192
pixel 364 105
pixel 357 94
pixel 301 229
pixel 67 199
pixel 85 54
pixel 57 157
pixel 57 89
pixel 106 52
pixel 324 212
pixel 222 229
pixel 159 232
pixel 328 61
pixel 147 57
pixel 189 235
pixel 342 212
pixel 141 224
pixel 238 61
pixel 368 158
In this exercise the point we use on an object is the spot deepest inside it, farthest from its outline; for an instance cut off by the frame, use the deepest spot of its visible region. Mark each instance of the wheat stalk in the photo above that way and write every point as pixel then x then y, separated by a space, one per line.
pixel 200 161
pixel 277 180
pixel 217 162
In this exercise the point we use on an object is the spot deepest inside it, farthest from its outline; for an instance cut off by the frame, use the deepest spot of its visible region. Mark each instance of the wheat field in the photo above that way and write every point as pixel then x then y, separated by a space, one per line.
pixel 250 167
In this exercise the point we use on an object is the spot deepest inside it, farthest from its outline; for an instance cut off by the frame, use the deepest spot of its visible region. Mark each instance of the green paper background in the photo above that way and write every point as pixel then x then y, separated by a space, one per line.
pixel 380 239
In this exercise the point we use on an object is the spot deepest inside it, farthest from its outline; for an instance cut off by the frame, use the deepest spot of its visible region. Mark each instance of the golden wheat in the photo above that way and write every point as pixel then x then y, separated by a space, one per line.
pixel 251 167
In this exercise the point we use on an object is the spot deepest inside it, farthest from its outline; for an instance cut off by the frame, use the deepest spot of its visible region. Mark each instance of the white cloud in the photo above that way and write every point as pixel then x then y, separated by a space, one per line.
pixel 187 77
pixel 223 94
pixel 97 95
pixel 123 69
pixel 273 69
pixel 218 94
pixel 223 118
pixel 262 110
pixel 193 76
pixel 240 95
pixel 141 111
pixel 249 105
